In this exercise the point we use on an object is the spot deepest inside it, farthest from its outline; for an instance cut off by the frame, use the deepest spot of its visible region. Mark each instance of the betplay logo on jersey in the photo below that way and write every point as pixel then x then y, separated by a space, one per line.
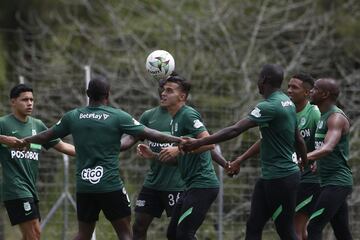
pixel 95 116
pixel 92 175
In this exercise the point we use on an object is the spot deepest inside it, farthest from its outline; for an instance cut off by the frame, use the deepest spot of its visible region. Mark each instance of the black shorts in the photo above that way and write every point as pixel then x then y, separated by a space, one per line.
pixel 115 205
pixel 22 210
pixel 306 197
pixel 154 202
pixel 190 212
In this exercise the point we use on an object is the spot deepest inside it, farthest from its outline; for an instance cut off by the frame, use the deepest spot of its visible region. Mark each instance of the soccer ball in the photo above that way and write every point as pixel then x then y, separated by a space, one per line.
pixel 160 64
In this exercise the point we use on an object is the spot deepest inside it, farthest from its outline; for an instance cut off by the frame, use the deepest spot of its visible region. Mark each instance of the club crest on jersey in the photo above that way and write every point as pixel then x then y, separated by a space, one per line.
pixel 27 206
pixel 320 124
pixel 198 123
pixel 33 132
pixel 256 112
pixel 92 175
pixel 302 121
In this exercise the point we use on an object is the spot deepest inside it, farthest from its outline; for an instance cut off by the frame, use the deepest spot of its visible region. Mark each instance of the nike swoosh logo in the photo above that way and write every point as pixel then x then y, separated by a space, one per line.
pixel 28 213
pixel 13 132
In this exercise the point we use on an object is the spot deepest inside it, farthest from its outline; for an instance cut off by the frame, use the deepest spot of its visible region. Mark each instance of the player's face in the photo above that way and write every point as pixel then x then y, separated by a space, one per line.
pixel 316 93
pixel 296 90
pixel 171 95
pixel 23 104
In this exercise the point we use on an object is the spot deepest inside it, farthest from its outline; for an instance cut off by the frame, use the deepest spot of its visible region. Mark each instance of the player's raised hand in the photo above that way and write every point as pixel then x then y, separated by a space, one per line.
pixel 313 167
pixel 14 142
pixel 168 154
pixel 233 168
pixel 188 144
pixel 301 164
pixel 144 151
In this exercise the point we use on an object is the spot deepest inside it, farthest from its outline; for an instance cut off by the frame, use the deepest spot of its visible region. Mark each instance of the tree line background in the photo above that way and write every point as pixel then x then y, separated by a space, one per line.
pixel 219 45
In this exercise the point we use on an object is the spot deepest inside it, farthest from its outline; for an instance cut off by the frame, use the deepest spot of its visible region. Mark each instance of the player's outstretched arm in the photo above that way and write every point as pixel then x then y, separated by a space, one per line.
pixel 220 136
pixel 157 136
pixel 337 125
pixel 218 157
pixel 203 148
pixel 41 138
pixel 300 148
pixel 11 141
pixel 127 142
pixel 251 152
pixel 65 148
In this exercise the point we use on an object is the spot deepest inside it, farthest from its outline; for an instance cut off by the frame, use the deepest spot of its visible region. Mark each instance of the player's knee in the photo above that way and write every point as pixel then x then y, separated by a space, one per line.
pixel 139 229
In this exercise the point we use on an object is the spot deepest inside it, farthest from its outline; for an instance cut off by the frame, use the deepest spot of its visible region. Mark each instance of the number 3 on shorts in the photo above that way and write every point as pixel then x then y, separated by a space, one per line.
pixel 172 199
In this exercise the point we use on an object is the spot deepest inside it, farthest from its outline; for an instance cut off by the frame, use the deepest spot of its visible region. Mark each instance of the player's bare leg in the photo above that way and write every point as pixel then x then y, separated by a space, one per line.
pixel 30 230
pixel 300 222
pixel 85 230
pixel 141 225
pixel 123 228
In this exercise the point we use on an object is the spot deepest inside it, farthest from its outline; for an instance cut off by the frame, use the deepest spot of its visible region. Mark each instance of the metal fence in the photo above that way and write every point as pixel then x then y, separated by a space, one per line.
pixel 225 220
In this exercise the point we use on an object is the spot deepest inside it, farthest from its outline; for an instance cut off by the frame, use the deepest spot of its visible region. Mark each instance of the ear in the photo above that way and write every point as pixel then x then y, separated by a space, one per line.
pixel 307 93
pixel 325 94
pixel 183 97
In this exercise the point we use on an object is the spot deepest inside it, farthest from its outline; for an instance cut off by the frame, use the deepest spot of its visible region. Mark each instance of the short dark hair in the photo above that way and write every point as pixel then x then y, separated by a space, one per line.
pixel 18 89
pixel 98 88
pixel 305 78
pixel 272 74
pixel 184 84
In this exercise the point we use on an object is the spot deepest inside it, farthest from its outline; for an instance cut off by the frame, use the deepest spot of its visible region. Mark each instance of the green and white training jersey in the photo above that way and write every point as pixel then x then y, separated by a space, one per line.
pixel 333 168
pixel 161 177
pixel 307 120
pixel 20 168
pixel 196 169
pixel 97 132
pixel 276 117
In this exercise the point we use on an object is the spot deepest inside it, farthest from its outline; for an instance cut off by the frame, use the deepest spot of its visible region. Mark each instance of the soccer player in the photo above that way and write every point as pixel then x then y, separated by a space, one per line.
pixel 20 168
pixel 274 194
pixel 196 168
pixel 307 118
pixel 331 154
pixel 97 131
pixel 163 183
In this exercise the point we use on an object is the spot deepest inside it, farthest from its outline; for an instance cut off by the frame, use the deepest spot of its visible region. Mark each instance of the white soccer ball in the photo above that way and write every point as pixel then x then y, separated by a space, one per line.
pixel 160 64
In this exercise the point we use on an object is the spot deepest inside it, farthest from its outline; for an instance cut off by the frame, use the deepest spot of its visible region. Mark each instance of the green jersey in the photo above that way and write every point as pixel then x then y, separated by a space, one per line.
pixel 276 117
pixel 307 120
pixel 333 168
pixel 196 169
pixel 97 132
pixel 20 168
pixel 161 177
